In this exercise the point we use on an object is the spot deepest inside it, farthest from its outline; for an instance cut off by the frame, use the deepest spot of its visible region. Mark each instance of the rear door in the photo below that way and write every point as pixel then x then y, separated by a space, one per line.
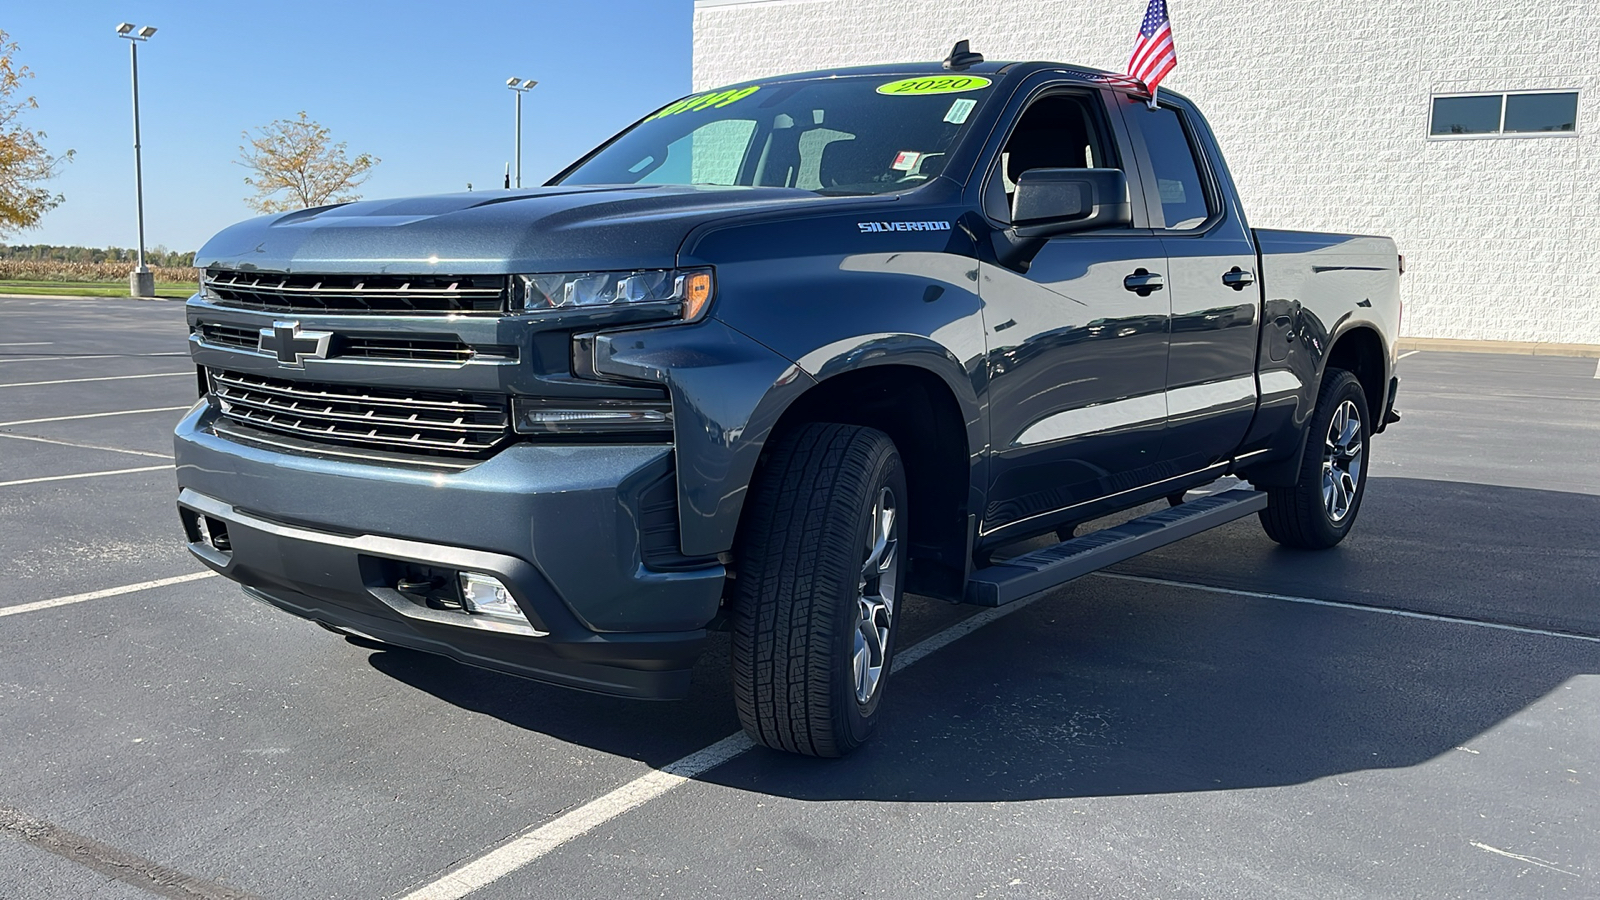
pixel 1076 359
pixel 1211 285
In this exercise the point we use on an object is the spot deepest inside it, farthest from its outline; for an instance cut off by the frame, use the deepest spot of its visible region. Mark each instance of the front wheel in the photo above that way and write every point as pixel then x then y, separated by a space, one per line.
pixel 818 589
pixel 1319 510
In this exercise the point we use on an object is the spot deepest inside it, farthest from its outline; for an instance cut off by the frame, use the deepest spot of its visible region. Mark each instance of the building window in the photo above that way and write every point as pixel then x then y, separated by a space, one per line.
pixel 1530 114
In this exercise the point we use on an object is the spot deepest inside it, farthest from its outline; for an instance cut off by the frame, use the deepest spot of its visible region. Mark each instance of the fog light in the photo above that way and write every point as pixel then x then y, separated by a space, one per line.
pixel 484 595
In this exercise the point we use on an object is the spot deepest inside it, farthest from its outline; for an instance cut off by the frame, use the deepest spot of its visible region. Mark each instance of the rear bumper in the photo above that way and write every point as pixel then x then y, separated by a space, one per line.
pixel 559 526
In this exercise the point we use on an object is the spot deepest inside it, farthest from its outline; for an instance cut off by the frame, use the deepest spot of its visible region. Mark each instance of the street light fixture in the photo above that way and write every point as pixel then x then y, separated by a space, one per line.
pixel 141 282
pixel 520 87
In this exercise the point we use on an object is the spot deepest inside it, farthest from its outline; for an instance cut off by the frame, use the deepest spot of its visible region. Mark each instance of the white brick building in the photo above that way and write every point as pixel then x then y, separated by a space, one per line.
pixel 1324 111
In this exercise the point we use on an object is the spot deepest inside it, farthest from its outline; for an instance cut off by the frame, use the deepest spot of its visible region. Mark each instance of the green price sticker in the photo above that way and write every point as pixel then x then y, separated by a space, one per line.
pixel 715 100
pixel 939 84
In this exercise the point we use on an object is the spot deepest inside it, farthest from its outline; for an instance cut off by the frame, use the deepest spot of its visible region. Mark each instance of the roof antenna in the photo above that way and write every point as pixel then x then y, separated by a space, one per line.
pixel 962 57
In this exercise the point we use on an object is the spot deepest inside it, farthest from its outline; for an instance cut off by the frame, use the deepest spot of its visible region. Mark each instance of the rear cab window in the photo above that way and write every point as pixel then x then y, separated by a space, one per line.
pixel 1181 187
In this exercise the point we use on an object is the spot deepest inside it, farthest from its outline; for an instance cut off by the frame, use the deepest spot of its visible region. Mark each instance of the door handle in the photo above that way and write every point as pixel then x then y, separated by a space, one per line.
pixel 1144 282
pixel 1238 279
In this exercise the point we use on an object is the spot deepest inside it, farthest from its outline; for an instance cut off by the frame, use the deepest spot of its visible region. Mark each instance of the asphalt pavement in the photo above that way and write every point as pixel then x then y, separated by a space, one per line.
pixel 1415 713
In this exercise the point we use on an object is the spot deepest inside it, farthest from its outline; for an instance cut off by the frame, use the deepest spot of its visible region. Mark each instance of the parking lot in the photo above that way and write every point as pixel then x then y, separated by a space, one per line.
pixel 1413 714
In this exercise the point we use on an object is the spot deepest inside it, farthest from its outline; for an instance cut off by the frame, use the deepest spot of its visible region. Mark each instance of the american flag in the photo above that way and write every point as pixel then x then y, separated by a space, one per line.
pixel 1153 54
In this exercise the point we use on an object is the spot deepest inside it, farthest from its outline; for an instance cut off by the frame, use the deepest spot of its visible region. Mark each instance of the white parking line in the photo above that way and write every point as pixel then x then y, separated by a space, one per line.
pixel 1597 370
pixel 95 356
pixel 1402 613
pixel 119 412
pixel 27 344
pixel 1411 353
pixel 84 475
pixel 102 378
pixel 99 595
pixel 531 845
pixel 60 443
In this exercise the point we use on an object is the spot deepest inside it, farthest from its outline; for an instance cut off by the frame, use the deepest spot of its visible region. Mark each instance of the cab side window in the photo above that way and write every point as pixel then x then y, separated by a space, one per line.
pixel 1185 201
pixel 1060 131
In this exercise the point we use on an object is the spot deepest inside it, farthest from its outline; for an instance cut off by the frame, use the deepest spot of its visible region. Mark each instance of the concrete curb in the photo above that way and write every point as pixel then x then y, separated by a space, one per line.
pixel 1524 348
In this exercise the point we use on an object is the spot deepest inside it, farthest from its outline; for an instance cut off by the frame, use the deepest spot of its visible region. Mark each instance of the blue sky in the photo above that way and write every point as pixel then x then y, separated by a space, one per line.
pixel 422 85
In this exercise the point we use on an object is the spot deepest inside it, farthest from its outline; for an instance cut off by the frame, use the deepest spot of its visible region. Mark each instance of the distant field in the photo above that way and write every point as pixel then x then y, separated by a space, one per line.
pixel 76 279
pixel 174 290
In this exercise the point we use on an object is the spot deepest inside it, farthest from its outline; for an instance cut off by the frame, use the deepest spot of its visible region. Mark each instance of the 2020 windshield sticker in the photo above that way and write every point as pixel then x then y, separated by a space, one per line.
pixel 940 84
pixel 713 100
pixel 876 227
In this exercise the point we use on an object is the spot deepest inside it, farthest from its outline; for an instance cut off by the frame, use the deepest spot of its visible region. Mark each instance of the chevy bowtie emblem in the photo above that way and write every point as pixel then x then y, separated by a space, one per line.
pixel 293 346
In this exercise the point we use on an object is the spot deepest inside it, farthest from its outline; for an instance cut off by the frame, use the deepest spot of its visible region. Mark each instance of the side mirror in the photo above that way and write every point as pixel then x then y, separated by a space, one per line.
pixel 1049 202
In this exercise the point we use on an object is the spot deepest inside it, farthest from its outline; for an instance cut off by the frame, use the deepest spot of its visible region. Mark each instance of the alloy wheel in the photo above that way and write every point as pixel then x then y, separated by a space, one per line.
pixel 1342 461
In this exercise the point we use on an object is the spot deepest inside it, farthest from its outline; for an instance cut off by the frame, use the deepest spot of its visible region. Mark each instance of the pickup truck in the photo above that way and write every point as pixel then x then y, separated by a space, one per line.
pixel 770 358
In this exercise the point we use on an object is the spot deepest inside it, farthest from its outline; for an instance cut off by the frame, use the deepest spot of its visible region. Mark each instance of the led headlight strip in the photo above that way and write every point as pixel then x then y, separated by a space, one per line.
pixel 689 289
pixel 647 419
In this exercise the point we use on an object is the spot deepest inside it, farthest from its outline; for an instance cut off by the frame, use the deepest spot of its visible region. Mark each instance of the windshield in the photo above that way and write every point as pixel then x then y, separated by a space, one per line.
pixel 851 135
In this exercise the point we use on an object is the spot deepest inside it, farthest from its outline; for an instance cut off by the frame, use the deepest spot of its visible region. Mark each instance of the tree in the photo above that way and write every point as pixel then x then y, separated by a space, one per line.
pixel 295 165
pixel 24 162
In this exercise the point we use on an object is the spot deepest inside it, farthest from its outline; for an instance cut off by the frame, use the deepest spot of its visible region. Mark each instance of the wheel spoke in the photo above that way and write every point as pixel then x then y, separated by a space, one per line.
pixel 880 549
pixel 879 584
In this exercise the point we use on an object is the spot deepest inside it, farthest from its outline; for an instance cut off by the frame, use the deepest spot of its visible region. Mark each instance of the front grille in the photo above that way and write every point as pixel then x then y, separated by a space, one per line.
pixel 404 294
pixel 441 350
pixel 404 348
pixel 230 336
pixel 432 423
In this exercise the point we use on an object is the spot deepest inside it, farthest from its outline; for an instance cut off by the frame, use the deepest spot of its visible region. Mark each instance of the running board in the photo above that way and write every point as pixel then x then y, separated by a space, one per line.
pixel 1013 579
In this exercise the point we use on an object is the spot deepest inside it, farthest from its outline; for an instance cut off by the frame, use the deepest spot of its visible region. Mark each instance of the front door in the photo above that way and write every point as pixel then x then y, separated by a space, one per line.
pixel 1078 368
pixel 1077 353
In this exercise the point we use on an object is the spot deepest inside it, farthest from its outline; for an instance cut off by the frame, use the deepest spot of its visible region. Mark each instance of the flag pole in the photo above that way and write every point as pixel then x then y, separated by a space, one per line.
pixel 1153 97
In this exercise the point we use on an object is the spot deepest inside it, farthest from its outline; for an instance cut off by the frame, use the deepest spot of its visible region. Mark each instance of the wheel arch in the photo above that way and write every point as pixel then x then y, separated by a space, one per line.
pixel 922 412
pixel 1357 347
pixel 1360 350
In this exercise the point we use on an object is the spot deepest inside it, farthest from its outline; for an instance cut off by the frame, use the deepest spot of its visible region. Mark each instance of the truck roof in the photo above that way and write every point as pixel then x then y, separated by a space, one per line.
pixel 993 68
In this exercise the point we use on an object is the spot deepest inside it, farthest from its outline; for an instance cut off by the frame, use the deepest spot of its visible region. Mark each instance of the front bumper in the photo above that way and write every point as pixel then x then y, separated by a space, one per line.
pixel 324 539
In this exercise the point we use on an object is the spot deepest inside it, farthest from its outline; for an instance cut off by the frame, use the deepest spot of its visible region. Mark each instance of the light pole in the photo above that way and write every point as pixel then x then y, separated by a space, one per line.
pixel 141 283
pixel 520 87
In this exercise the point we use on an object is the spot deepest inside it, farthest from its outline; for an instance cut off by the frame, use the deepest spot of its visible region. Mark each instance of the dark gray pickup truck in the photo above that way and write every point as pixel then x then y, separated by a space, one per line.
pixel 763 362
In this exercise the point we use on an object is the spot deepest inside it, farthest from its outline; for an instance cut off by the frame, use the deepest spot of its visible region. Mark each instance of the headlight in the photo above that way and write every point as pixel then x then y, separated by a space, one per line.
pixel 688 289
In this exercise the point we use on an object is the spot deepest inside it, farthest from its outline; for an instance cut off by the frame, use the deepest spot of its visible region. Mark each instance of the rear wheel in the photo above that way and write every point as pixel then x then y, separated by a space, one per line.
pixel 1321 507
pixel 818 589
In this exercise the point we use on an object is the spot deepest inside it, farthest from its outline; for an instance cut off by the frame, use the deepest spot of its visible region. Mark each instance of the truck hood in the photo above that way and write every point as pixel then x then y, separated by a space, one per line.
pixel 554 229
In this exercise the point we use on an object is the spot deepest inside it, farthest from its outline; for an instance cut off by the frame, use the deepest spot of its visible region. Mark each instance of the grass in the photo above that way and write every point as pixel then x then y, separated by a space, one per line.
pixel 167 290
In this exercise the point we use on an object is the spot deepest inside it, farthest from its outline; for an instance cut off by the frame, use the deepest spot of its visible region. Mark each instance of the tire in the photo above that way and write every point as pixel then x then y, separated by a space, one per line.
pixel 1320 509
pixel 820 563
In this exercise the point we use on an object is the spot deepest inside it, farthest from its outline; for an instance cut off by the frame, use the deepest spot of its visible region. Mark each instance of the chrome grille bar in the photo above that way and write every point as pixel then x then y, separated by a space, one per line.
pixel 429 422
pixel 364 396
pixel 440 350
pixel 405 294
